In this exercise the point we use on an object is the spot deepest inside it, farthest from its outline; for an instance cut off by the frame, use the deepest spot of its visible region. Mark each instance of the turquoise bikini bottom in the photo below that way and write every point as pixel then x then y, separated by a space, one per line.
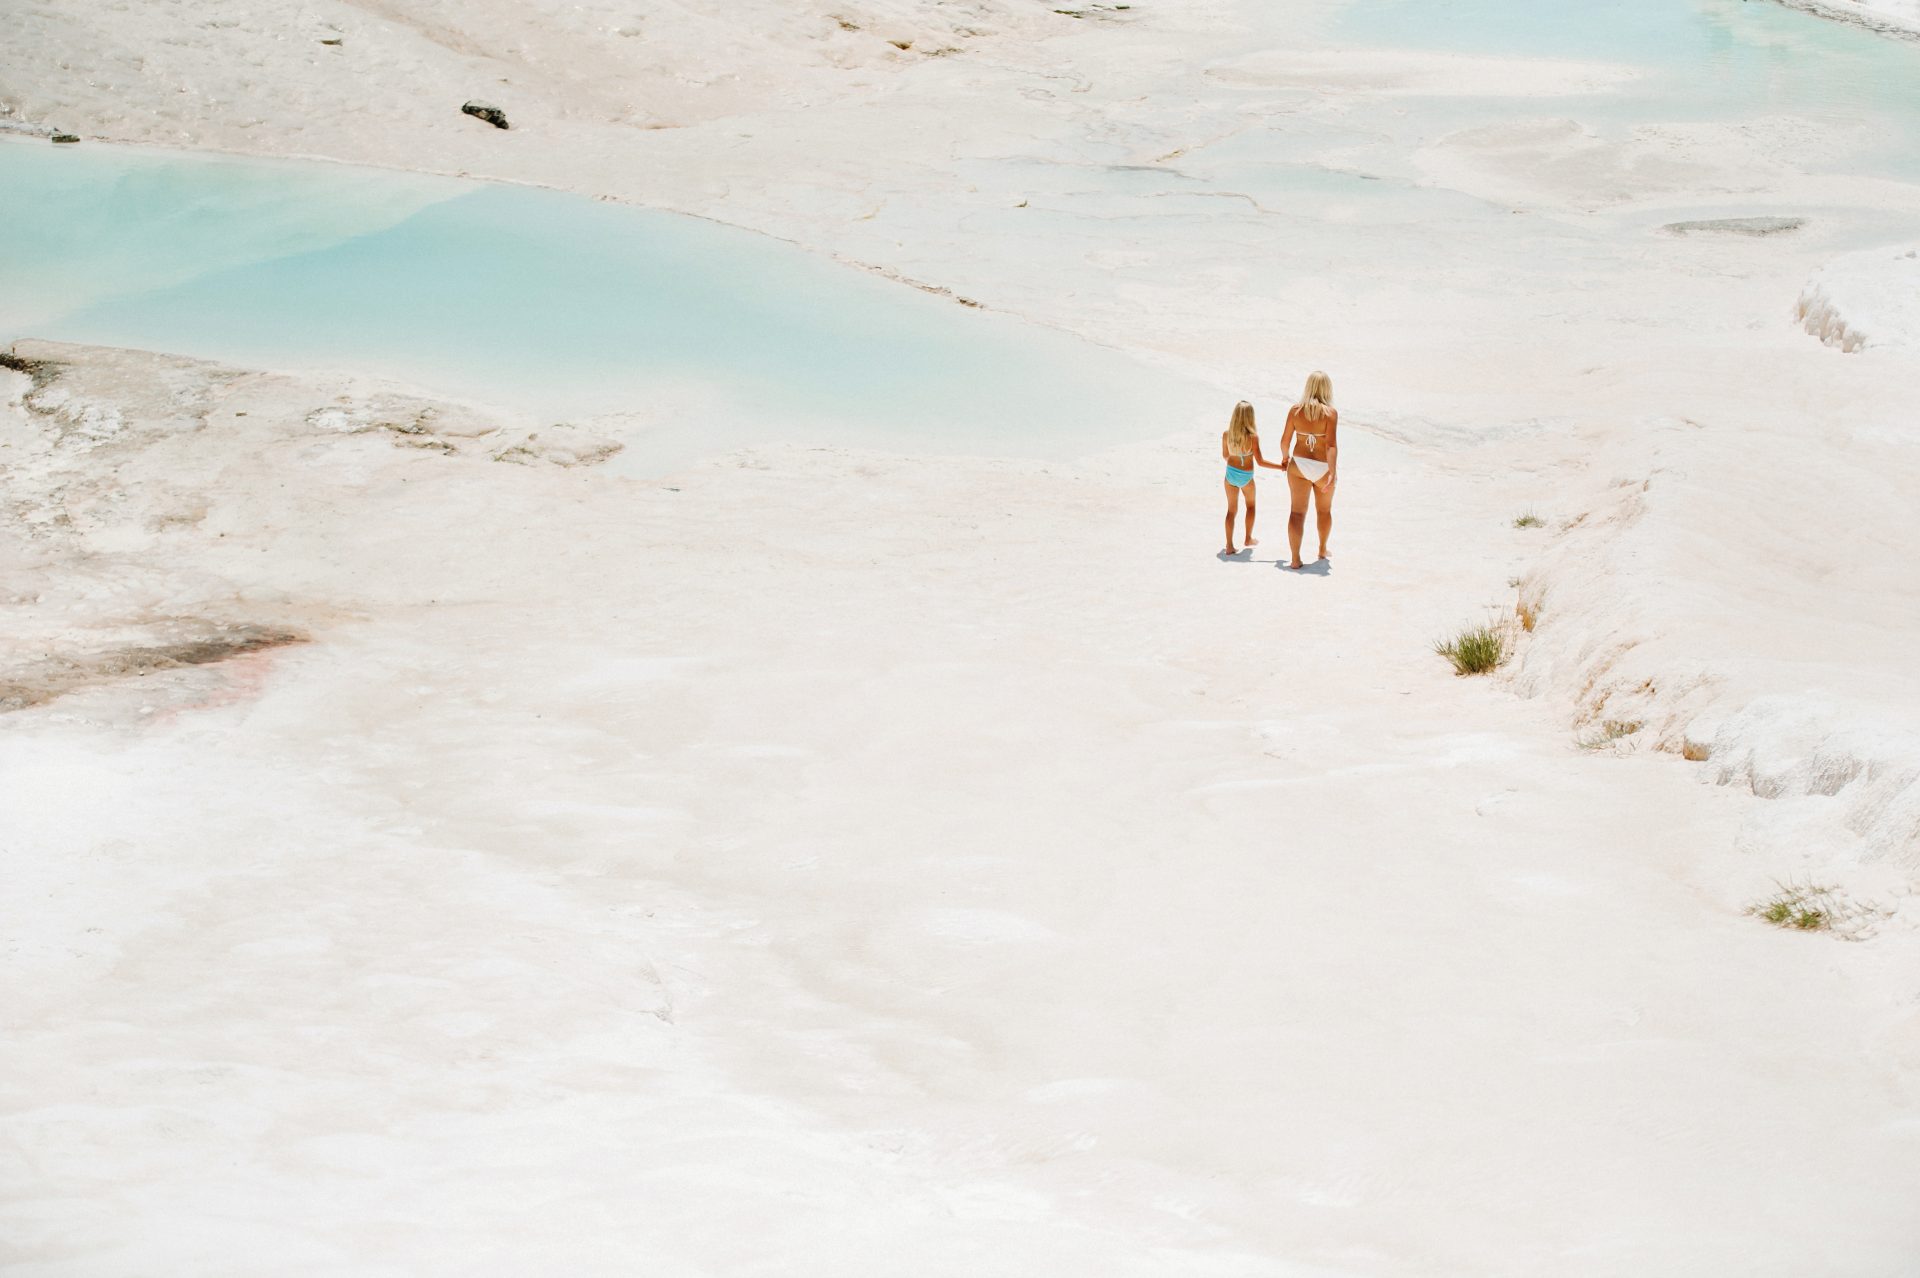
pixel 1239 478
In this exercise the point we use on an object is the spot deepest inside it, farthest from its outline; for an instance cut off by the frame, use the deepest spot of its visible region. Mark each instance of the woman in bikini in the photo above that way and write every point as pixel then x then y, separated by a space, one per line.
pixel 1240 449
pixel 1310 446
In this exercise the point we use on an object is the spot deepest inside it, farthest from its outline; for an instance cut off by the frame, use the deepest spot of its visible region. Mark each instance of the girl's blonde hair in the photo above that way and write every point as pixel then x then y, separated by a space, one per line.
pixel 1240 430
pixel 1316 401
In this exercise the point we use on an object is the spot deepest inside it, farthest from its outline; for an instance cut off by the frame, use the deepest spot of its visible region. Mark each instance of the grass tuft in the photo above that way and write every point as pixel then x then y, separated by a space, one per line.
pixel 1475 650
pixel 1805 906
pixel 1529 520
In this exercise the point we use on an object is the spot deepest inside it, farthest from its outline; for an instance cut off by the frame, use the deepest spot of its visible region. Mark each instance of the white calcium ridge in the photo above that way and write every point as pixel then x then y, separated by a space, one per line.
pixel 1864 300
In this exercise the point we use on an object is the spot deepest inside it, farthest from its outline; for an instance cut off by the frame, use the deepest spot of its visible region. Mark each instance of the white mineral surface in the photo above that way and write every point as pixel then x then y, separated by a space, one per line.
pixel 436 846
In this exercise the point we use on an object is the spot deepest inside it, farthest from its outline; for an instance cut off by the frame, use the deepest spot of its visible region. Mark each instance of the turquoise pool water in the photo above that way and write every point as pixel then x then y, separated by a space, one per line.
pixel 538 299
pixel 708 335
pixel 1701 60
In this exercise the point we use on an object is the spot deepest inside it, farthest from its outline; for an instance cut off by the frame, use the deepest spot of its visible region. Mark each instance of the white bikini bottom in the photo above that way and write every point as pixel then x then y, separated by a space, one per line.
pixel 1312 469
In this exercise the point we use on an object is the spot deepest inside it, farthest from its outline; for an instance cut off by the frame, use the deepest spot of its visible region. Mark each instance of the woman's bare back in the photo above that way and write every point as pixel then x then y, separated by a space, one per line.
pixel 1310 437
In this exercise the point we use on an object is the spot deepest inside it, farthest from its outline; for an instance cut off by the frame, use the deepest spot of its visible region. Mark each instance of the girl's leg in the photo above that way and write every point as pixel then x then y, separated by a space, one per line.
pixel 1233 508
pixel 1323 515
pixel 1248 538
pixel 1297 488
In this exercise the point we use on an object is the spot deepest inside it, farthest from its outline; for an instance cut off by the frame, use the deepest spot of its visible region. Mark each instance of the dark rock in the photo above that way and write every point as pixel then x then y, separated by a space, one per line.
pixel 491 114
pixel 335 41
pixel 42 371
pixel 66 137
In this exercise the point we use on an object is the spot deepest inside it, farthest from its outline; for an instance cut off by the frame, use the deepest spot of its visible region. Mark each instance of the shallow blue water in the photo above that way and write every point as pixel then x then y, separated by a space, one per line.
pixel 1682 32
pixel 538 299
pixel 567 306
pixel 1701 59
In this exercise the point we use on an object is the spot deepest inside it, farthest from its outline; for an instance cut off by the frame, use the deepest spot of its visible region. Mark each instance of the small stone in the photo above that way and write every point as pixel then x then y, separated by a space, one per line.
pixel 335 41
pixel 66 137
pixel 491 114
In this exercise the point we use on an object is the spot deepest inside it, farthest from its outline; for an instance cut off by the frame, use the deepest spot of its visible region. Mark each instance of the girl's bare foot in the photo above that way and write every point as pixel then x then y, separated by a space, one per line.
pixel 1252 542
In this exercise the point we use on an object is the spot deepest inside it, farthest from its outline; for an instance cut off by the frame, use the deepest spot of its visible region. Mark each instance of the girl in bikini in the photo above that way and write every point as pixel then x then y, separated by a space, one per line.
pixel 1312 425
pixel 1240 449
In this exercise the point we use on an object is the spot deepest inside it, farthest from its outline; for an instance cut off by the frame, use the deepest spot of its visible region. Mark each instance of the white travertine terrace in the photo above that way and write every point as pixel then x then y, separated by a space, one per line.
pixel 433 850
pixel 1865 299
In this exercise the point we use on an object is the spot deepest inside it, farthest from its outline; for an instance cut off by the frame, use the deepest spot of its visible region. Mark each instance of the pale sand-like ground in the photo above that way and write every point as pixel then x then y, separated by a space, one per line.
pixel 850 863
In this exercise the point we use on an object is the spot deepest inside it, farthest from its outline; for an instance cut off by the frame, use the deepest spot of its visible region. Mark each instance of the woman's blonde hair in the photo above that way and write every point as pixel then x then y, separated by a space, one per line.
pixel 1241 430
pixel 1317 399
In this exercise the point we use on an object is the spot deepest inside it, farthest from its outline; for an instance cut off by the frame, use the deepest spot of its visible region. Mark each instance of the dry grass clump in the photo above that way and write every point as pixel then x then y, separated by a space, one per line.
pixel 1806 906
pixel 1527 607
pixel 1529 520
pixel 1800 907
pixel 1474 650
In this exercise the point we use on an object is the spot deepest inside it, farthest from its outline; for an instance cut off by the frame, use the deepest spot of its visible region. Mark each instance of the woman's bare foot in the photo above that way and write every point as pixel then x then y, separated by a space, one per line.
pixel 1229 551
pixel 1296 564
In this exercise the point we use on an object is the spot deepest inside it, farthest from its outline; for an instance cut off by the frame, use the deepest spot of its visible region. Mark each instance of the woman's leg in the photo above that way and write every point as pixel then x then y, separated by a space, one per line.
pixel 1233 508
pixel 1247 540
pixel 1297 488
pixel 1323 514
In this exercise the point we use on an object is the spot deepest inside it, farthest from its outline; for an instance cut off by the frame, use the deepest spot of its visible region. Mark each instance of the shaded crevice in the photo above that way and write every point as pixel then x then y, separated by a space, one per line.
pixel 57 675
